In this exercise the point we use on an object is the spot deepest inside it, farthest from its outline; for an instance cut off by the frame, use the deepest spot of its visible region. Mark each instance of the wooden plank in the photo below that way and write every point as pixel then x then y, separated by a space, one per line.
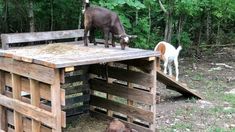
pixel 55 101
pixel 124 109
pixel 35 100
pixel 26 123
pixel 76 78
pixel 142 64
pixel 37 72
pixel 29 110
pixel 177 86
pixel 77 99
pixel 39 36
pixel 16 90
pixel 130 86
pixel 77 89
pixel 42 106
pixel 122 91
pixel 76 110
pixel 122 74
pixel 3 116
pixel 136 127
pixel 153 91
pixel 44 88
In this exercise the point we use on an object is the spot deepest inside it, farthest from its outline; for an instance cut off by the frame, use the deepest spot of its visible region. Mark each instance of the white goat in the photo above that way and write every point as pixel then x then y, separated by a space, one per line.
pixel 168 55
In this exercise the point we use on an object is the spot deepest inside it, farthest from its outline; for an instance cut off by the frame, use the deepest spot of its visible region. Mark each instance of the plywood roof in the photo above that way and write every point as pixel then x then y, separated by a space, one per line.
pixel 59 55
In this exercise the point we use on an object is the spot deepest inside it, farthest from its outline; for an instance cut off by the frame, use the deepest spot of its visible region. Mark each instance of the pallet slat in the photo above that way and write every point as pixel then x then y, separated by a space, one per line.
pixel 26 123
pixel 39 36
pixel 127 110
pixel 29 110
pixel 44 88
pixel 37 72
pixel 122 91
pixel 124 75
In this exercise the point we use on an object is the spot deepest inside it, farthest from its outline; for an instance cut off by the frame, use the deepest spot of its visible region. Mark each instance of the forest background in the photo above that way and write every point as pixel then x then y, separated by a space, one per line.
pixel 195 24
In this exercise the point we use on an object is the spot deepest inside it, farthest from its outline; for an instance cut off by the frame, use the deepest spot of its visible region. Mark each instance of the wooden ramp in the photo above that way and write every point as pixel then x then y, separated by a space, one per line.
pixel 176 86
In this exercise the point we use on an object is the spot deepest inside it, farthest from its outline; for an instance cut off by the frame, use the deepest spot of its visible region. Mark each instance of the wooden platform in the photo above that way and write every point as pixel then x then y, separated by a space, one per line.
pixel 176 86
pixel 59 55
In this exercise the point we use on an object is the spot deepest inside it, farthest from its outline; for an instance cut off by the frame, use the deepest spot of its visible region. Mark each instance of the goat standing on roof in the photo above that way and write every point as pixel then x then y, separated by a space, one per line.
pixel 168 55
pixel 107 21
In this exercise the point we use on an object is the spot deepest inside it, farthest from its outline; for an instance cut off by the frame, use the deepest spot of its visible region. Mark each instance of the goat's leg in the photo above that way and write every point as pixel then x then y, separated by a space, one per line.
pixel 113 42
pixel 170 69
pixel 85 36
pixel 165 66
pixel 92 36
pixel 106 37
pixel 176 69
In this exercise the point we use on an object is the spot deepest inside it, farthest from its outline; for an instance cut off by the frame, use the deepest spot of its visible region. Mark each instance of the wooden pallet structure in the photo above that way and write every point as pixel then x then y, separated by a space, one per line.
pixel 66 79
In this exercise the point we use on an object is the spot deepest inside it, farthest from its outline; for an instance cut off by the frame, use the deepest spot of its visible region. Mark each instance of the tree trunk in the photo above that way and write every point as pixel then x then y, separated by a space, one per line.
pixel 208 26
pixel 52 16
pixel 31 17
pixel 150 22
pixel 5 17
pixel 136 17
pixel 218 35
pixel 169 20
pixel 180 28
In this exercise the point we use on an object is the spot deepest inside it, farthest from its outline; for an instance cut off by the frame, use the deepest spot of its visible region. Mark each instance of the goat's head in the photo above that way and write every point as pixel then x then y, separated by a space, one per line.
pixel 124 39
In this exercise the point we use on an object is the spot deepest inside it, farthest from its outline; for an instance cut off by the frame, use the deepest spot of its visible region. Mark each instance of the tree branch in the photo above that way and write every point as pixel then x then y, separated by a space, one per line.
pixel 162 7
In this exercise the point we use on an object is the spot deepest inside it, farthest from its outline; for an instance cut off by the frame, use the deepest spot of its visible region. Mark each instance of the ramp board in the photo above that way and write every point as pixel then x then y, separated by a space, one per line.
pixel 176 86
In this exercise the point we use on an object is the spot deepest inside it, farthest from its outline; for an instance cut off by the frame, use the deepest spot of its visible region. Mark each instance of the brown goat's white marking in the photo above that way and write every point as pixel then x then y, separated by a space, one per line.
pixel 169 54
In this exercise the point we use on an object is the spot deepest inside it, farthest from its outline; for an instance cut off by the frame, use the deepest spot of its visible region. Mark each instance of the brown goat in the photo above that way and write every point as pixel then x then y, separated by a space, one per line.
pixel 107 21
pixel 117 126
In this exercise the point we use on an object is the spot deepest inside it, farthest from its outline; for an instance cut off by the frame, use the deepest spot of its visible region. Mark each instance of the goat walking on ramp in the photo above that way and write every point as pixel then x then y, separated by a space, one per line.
pixel 169 54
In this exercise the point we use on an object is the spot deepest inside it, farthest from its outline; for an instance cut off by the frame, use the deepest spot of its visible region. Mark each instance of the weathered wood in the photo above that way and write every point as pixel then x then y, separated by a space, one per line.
pixel 3 118
pixel 124 109
pixel 35 100
pixel 124 75
pixel 67 54
pixel 139 128
pixel 38 36
pixel 37 72
pixel 26 123
pixel 44 88
pixel 76 78
pixel 29 110
pixel 77 99
pixel 76 110
pixel 55 101
pixel 42 106
pixel 16 90
pixel 153 91
pixel 177 86
pixel 122 91
pixel 77 89
pixel 130 86
pixel 142 64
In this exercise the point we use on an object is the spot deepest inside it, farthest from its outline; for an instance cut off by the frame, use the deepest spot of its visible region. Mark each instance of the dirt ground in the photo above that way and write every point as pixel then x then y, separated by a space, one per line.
pixel 213 76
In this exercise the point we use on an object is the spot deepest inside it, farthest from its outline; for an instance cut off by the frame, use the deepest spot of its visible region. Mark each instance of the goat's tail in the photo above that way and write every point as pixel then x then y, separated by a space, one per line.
pixel 86 5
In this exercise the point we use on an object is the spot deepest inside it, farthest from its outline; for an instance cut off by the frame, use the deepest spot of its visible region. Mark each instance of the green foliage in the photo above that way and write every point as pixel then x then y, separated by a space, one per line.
pixel 143 18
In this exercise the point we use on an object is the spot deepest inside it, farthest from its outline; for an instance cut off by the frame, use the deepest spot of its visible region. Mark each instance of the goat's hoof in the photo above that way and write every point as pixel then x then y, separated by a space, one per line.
pixel 106 46
pixel 114 45
pixel 95 43
pixel 85 44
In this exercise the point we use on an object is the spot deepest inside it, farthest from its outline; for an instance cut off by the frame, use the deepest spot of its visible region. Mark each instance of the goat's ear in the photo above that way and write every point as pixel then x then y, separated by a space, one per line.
pixel 132 36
